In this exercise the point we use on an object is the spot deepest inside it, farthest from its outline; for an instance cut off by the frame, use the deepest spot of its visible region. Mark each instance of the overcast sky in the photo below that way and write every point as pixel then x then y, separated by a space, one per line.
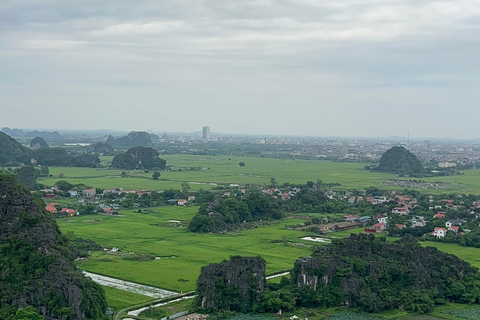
pixel 307 67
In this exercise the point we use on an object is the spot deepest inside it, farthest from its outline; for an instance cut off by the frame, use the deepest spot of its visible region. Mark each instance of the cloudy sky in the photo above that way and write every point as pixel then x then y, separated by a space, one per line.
pixel 294 67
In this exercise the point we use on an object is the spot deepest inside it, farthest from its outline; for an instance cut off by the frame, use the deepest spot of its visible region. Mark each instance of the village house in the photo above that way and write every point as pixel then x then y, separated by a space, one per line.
pixel 377 228
pixel 418 221
pixel 181 202
pixel 191 198
pixel 73 193
pixel 455 229
pixel 351 218
pixel 439 215
pixel 401 211
pixel 439 232
pixel 51 209
pixel 382 220
pixel 70 212
pixel 450 223
pixel 89 193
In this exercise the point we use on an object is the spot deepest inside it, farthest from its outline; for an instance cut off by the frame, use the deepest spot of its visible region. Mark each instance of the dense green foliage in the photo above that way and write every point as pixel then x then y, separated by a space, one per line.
pixel 139 158
pixel 365 272
pixel 52 157
pixel 400 160
pixel 86 160
pixel 36 263
pixel 223 214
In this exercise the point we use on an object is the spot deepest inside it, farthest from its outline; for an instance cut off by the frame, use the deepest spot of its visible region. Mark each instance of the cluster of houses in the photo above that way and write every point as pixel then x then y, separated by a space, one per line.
pixel 405 207
pixel 278 194
pixel 51 207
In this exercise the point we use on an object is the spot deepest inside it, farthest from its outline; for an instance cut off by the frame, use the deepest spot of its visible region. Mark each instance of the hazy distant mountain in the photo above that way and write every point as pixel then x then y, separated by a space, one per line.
pixel 21 133
pixel 133 139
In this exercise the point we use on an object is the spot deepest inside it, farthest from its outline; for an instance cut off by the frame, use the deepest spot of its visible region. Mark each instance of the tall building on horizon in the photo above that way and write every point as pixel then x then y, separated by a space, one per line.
pixel 206 132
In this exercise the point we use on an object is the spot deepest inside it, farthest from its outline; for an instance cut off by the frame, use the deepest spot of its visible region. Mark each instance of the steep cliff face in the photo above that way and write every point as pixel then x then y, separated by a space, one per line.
pixel 231 285
pixel 371 273
pixel 36 267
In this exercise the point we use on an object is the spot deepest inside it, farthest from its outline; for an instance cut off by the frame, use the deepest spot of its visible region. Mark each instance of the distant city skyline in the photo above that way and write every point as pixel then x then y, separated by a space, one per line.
pixel 297 67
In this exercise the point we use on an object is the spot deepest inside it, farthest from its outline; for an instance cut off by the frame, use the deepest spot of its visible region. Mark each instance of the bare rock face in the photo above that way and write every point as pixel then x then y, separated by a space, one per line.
pixel 36 266
pixel 231 285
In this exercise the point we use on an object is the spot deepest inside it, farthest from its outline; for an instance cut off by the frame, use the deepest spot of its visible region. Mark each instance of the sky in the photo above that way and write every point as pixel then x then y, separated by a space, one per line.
pixel 365 68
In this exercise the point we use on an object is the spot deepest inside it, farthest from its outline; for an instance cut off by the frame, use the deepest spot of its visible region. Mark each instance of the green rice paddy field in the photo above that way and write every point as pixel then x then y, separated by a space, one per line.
pixel 181 252
pixel 221 170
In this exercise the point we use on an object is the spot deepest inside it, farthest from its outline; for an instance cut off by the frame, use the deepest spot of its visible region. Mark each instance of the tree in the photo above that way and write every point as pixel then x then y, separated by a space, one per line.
pixel 185 188
pixel 64 185
pixel 273 182
pixel 44 171
pixel 241 164
pixel 155 175
pixel 28 313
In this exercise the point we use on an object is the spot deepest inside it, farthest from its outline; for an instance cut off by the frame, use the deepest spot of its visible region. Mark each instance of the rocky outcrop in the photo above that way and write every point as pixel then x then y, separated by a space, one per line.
pixel 38 143
pixel 231 285
pixel 139 158
pixel 36 266
pixel 400 160
pixel 101 148
pixel 358 270
pixel 86 160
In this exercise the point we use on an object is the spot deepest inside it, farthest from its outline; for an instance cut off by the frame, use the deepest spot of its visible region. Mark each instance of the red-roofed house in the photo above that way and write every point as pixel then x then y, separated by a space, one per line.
pixel 454 228
pixel 399 226
pixel 379 227
pixel 182 202
pixel 70 212
pixel 351 218
pixel 51 209
pixel 439 215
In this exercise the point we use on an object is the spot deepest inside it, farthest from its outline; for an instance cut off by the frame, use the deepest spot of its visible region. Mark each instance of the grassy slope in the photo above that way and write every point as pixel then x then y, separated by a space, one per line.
pixel 119 299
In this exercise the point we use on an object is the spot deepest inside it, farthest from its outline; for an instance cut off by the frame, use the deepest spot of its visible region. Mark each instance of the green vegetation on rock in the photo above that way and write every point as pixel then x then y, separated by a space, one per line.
pixel 400 160
pixel 12 151
pixel 36 264
pixel 139 158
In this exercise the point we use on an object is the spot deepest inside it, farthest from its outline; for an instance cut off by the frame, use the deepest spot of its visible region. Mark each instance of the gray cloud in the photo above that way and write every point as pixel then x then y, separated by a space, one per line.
pixel 347 67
